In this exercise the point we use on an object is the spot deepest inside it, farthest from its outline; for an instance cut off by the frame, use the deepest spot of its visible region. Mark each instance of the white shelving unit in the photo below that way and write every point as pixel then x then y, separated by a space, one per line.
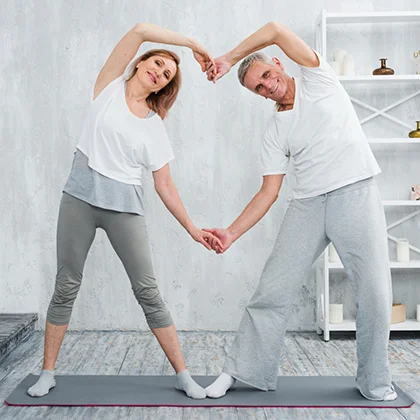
pixel 393 140
pixel 393 264
pixel 323 266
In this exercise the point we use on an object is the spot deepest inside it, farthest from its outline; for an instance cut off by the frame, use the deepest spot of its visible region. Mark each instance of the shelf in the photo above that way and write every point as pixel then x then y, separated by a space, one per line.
pixel 350 325
pixel 381 79
pixel 394 140
pixel 401 203
pixel 392 264
pixel 372 17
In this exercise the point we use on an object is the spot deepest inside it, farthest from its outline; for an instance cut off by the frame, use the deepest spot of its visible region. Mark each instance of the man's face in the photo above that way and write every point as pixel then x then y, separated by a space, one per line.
pixel 267 80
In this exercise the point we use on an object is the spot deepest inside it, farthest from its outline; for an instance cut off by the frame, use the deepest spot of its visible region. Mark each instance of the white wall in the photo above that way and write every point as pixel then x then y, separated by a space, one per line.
pixel 51 53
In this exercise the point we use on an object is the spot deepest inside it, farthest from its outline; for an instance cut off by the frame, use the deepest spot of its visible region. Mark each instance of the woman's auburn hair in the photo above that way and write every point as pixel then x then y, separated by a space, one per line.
pixel 162 101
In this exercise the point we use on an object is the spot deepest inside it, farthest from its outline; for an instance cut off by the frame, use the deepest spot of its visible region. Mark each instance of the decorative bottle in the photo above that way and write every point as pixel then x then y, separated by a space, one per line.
pixel 383 70
pixel 415 134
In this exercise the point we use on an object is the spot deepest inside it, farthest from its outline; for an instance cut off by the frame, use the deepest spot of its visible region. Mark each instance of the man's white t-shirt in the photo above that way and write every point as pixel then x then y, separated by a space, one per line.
pixel 320 136
pixel 118 144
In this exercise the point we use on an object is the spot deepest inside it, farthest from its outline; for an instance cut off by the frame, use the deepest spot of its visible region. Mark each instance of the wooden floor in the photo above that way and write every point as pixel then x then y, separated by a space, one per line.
pixel 132 353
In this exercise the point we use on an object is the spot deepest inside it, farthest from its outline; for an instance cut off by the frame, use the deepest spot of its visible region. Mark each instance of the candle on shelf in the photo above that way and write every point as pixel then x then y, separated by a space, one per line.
pixel 348 65
pixel 339 58
pixel 403 250
pixel 336 313
pixel 333 256
pixel 418 313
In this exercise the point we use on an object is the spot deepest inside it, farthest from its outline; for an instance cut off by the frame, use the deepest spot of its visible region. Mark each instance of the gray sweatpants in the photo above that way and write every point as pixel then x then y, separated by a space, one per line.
pixel 353 219
pixel 77 224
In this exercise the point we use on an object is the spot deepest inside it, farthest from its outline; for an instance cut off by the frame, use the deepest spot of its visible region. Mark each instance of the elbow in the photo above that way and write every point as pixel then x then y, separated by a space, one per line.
pixel 277 29
pixel 161 187
pixel 140 29
pixel 270 197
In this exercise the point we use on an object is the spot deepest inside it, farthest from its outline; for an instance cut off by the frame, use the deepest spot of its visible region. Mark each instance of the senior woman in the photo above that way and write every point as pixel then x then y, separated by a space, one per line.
pixel 123 135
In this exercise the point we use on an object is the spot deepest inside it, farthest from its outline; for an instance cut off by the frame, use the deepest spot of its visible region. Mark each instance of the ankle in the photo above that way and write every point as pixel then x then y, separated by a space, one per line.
pixel 181 369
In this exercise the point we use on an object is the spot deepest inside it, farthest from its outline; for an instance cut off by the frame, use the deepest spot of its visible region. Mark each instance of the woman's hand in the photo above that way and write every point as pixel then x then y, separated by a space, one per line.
pixel 204 238
pixel 218 68
pixel 220 236
pixel 202 56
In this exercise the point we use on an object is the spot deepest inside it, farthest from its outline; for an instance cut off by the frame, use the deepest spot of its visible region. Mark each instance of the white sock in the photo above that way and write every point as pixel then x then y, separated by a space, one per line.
pixel 42 387
pixel 185 383
pixel 219 387
pixel 391 396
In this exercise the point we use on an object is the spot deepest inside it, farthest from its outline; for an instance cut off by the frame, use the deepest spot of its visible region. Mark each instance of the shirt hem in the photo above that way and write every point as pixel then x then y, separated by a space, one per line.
pixel 130 181
pixel 274 173
pixel 335 187
pixel 160 166
pixel 101 206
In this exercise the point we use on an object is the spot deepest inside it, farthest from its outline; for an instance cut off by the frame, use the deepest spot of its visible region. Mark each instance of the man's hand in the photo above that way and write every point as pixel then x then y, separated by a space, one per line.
pixel 222 239
pixel 218 68
pixel 205 238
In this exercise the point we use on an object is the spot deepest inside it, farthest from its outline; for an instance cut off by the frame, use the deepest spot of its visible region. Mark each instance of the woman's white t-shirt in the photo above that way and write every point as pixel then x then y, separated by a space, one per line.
pixel 321 137
pixel 118 144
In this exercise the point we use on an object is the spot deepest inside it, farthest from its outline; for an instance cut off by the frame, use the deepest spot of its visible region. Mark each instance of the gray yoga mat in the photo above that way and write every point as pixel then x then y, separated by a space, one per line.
pixel 292 391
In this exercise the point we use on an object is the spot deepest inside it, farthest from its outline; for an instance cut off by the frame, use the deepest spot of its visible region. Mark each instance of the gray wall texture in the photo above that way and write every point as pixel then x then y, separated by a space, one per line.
pixel 51 52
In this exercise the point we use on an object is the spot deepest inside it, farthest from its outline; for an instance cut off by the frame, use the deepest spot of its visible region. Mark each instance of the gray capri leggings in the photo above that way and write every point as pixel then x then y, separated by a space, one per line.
pixel 77 224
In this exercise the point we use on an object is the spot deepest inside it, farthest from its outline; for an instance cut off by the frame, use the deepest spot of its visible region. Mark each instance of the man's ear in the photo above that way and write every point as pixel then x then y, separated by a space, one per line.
pixel 277 62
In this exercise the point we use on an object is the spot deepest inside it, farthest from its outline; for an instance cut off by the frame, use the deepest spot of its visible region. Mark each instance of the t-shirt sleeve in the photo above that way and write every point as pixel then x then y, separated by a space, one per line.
pixel 159 152
pixel 274 153
pixel 323 74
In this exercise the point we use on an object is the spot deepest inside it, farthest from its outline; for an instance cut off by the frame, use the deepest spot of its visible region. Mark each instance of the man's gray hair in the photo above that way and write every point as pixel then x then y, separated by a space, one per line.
pixel 247 63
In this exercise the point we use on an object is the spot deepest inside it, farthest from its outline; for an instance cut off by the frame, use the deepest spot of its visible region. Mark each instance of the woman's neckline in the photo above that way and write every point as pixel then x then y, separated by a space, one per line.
pixel 130 111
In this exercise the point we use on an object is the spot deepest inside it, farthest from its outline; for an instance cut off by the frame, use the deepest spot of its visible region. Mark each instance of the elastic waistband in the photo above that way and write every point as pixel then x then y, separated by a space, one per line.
pixel 351 187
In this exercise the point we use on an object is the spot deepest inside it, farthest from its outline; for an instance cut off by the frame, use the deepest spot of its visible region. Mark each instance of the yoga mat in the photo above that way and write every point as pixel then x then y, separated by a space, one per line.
pixel 292 391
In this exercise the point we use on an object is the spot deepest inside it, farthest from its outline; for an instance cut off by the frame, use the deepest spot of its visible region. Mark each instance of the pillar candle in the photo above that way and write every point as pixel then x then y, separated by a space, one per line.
pixel 403 250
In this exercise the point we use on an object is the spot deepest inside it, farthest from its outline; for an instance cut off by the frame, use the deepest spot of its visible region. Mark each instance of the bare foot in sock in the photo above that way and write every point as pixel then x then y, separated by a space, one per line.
pixel 45 382
pixel 391 396
pixel 220 386
pixel 185 383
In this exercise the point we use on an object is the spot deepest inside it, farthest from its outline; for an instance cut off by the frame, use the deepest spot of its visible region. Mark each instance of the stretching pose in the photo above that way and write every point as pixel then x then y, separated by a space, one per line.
pixel 334 199
pixel 123 134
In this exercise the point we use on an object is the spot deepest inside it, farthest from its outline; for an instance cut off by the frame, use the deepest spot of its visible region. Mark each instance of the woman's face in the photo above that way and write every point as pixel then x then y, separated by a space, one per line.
pixel 156 72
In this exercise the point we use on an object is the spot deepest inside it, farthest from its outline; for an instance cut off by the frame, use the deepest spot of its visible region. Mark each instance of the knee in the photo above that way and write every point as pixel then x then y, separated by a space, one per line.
pixel 154 308
pixel 273 298
pixel 66 288
pixel 148 297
